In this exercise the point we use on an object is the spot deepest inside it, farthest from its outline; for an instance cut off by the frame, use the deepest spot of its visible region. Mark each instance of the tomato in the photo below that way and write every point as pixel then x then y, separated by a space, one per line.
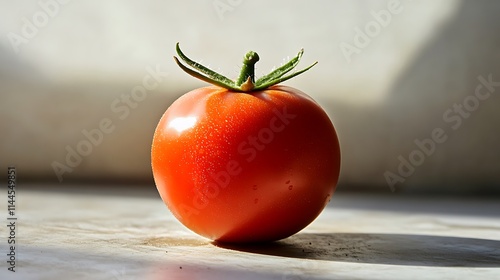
pixel 245 166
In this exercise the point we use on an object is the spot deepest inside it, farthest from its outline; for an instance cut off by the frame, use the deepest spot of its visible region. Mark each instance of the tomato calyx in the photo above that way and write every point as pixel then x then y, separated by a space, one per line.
pixel 246 81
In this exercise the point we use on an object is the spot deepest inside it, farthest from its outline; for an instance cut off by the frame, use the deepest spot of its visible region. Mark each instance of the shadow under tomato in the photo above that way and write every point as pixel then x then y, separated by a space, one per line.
pixel 395 249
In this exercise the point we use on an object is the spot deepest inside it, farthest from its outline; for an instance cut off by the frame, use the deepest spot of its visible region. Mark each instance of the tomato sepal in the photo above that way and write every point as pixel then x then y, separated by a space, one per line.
pixel 246 81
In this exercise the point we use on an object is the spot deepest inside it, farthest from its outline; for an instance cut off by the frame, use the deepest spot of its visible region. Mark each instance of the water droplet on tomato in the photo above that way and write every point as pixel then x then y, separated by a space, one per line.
pixel 290 187
pixel 254 187
pixel 287 182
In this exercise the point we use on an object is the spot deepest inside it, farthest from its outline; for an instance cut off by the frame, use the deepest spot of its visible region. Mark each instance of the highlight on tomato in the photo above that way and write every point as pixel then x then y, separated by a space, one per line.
pixel 245 160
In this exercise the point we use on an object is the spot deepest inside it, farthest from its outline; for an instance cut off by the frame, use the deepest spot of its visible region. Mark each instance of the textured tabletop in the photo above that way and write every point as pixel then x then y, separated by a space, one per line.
pixel 63 232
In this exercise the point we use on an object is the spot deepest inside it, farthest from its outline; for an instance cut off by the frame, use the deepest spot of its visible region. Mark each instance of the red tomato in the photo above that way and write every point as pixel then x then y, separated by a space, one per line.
pixel 245 166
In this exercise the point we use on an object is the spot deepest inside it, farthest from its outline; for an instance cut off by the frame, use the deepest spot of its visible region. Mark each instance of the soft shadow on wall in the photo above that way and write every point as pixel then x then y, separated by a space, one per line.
pixel 49 126
pixel 434 132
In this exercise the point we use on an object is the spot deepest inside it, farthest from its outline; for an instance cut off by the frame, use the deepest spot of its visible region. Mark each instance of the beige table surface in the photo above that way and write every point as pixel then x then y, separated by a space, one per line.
pixel 128 233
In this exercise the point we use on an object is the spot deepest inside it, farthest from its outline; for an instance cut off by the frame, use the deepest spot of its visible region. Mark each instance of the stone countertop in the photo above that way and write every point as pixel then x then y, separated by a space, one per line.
pixel 86 232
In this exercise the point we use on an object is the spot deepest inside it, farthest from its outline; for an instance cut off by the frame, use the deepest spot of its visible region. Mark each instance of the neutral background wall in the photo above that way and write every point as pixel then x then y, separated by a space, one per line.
pixel 64 65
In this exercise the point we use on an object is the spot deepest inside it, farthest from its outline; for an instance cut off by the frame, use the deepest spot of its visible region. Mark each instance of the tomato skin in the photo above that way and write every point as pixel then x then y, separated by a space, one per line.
pixel 245 167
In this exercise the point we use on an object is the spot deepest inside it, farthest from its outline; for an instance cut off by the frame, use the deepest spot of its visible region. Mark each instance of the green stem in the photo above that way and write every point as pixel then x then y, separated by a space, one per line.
pixel 248 69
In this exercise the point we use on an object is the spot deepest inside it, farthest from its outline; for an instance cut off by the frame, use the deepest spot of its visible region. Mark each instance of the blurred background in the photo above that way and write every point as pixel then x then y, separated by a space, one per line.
pixel 411 86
